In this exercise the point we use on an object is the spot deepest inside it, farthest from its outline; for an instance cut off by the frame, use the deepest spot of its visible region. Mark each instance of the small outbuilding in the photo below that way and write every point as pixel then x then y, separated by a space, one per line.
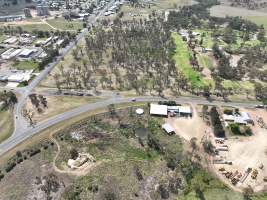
pixel 168 128
pixel 139 111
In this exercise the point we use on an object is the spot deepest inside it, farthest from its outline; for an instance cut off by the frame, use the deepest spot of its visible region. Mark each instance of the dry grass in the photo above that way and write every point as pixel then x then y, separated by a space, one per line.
pixel 6 124
pixel 57 127
pixel 58 105
pixel 224 10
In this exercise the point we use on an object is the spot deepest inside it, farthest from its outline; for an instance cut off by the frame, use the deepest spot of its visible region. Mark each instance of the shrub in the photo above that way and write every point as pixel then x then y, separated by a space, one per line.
pixel 10 166
pixel 34 152
pixel 1 176
pixel 240 130
pixel 216 123
pixel 228 111
pixel 74 154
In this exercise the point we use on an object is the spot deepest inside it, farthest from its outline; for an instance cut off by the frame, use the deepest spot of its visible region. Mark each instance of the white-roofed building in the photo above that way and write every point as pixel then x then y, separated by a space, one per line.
pixel 185 111
pixel 160 110
pixel 246 117
pixel 26 53
pixel 240 120
pixel 11 40
pixel 229 118
pixel 243 118
pixel 168 128
pixel 10 53
pixel 20 76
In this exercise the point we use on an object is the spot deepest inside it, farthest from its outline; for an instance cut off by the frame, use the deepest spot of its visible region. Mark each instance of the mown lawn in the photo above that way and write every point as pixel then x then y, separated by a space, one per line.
pixel 181 58
pixel 65 25
pixel 260 20
pixel 26 65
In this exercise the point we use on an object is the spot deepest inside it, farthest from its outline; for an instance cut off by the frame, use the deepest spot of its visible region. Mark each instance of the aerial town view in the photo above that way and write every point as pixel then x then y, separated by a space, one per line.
pixel 133 99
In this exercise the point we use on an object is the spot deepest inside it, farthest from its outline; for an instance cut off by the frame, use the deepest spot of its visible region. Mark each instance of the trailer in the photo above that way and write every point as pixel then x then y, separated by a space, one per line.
pixel 222 148
pixel 245 175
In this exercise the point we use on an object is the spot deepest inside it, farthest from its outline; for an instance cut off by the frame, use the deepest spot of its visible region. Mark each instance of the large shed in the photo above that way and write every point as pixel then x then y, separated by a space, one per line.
pixel 159 110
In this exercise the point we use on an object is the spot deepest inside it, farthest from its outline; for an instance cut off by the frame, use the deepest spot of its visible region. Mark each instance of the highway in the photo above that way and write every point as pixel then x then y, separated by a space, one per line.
pixel 22 131
pixel 28 132
pixel 20 122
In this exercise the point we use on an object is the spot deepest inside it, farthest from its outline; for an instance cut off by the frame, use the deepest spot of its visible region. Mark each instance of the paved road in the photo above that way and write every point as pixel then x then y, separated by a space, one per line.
pixel 23 132
pixel 20 122
pixel 27 133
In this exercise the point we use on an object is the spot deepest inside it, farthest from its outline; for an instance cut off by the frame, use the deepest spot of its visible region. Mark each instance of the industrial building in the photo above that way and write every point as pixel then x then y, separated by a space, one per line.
pixel 163 110
pixel 11 18
pixel 26 53
pixel 10 53
pixel 42 10
pixel 27 13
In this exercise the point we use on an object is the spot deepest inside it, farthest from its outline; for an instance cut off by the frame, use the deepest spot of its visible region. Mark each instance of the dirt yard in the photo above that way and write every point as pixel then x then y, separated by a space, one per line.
pixel 188 128
pixel 247 152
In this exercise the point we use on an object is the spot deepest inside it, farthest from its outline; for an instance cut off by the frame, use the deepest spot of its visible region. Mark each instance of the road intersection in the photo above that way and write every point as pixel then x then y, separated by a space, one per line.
pixel 22 130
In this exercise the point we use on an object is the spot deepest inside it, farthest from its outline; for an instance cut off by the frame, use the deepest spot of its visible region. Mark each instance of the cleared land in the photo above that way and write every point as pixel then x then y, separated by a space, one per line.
pixel 188 128
pixel 182 59
pixel 223 11
pixel 143 11
pixel 64 25
pixel 245 152
pixel 260 20
pixel 6 124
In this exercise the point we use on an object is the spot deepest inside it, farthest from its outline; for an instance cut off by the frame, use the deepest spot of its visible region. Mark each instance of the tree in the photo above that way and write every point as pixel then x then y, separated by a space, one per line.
pixel 9 98
pixel 74 154
pixel 261 34
pixel 29 114
pixel 193 143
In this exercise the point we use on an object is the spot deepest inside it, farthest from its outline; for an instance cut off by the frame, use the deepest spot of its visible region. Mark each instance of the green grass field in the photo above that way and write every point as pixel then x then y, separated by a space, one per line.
pixel 181 58
pixel 65 25
pixel 32 27
pixel 204 61
pixel 238 86
pixel 26 65
pixel 260 20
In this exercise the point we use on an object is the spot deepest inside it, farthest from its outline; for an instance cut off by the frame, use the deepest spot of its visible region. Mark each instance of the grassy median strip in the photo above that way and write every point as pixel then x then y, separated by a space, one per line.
pixel 6 124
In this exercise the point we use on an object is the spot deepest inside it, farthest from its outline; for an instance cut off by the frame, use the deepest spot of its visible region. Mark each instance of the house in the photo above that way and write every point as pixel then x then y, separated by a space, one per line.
pixel 229 118
pixel 240 120
pixel 158 110
pixel 246 117
pixel 243 118
pixel 168 128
